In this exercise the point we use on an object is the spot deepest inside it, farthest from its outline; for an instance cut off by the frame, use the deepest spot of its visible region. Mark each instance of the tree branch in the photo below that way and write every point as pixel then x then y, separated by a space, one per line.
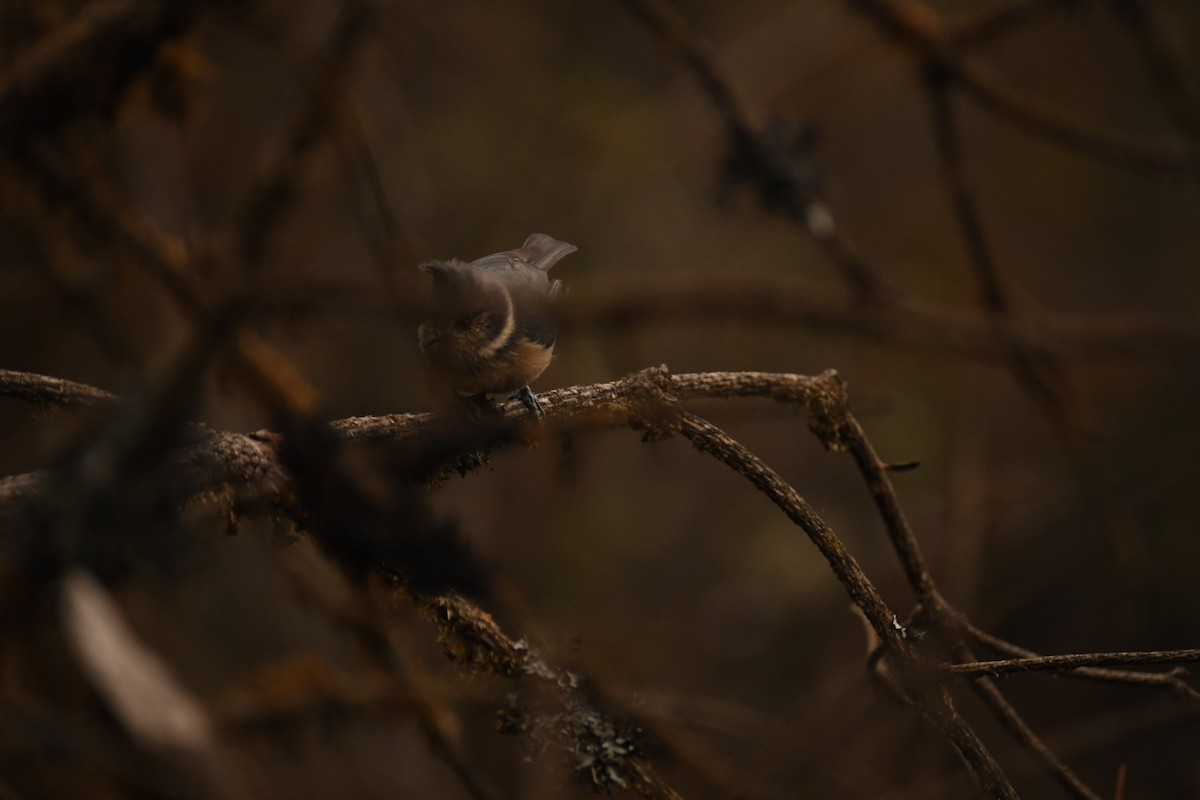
pixel 1069 662
pixel 647 401
pixel 947 621
pixel 932 702
pixel 83 66
pixel 1172 680
pixel 773 157
pixel 43 390
pixel 922 31
pixel 650 401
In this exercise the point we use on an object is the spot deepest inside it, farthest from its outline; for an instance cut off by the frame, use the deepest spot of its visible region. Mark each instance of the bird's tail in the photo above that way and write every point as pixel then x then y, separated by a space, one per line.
pixel 544 252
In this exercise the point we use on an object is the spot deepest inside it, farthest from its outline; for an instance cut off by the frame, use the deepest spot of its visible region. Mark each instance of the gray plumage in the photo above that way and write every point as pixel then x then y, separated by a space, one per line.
pixel 493 321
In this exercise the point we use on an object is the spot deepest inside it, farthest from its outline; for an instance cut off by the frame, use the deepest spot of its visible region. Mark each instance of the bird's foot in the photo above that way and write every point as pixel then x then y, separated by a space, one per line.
pixel 526 396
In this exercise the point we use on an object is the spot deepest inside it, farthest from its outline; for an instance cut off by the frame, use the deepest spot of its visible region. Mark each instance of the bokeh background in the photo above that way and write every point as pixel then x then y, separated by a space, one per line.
pixel 456 129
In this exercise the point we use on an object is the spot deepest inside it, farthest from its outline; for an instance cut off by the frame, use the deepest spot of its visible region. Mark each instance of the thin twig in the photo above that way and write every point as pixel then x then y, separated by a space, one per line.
pixel 274 191
pixel 85 65
pixel 1040 376
pixel 1166 60
pixel 947 621
pixel 994 295
pixel 397 237
pixel 771 302
pixel 710 439
pixel 765 152
pixel 678 36
pixel 1068 662
pixel 1036 370
pixel 617 303
pixel 171 264
pixel 1000 19
pixel 920 29
pixel 1172 680
pixel 1020 730
pixel 934 704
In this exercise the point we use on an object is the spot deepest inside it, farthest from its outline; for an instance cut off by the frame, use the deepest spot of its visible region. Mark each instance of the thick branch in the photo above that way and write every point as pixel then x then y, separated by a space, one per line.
pixel 46 391
pixel 251 462
pixel 475 641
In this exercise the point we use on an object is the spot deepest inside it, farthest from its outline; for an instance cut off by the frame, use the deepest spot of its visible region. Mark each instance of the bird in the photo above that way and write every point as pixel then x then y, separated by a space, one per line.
pixel 492 322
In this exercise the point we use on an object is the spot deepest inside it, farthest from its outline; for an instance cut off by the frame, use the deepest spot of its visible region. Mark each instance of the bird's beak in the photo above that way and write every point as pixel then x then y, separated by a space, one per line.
pixel 429 336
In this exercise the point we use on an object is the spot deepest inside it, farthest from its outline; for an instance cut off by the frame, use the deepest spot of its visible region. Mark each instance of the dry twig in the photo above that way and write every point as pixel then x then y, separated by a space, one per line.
pixel 1072 661
pixel 932 42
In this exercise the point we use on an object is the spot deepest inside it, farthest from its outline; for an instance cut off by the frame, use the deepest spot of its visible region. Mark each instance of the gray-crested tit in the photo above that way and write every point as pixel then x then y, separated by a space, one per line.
pixel 493 321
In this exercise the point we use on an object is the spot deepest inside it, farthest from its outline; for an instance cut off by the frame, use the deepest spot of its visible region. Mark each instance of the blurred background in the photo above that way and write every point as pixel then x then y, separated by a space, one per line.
pixel 385 134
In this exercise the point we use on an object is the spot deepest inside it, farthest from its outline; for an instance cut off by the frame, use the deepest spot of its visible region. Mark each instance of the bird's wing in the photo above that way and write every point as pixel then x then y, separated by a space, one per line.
pixel 539 253
pixel 534 295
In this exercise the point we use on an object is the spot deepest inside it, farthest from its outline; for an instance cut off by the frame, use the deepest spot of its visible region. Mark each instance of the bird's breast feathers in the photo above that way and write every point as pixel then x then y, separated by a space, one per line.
pixel 503 373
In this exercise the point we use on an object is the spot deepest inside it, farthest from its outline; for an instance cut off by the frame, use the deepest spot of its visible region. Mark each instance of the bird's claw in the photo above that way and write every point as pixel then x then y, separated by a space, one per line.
pixel 526 396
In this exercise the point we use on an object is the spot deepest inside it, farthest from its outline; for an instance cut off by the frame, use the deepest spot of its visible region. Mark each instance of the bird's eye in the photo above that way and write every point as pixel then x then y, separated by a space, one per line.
pixel 462 324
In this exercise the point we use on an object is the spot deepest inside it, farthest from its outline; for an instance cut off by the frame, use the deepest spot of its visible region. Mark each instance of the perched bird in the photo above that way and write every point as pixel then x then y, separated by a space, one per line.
pixel 493 321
